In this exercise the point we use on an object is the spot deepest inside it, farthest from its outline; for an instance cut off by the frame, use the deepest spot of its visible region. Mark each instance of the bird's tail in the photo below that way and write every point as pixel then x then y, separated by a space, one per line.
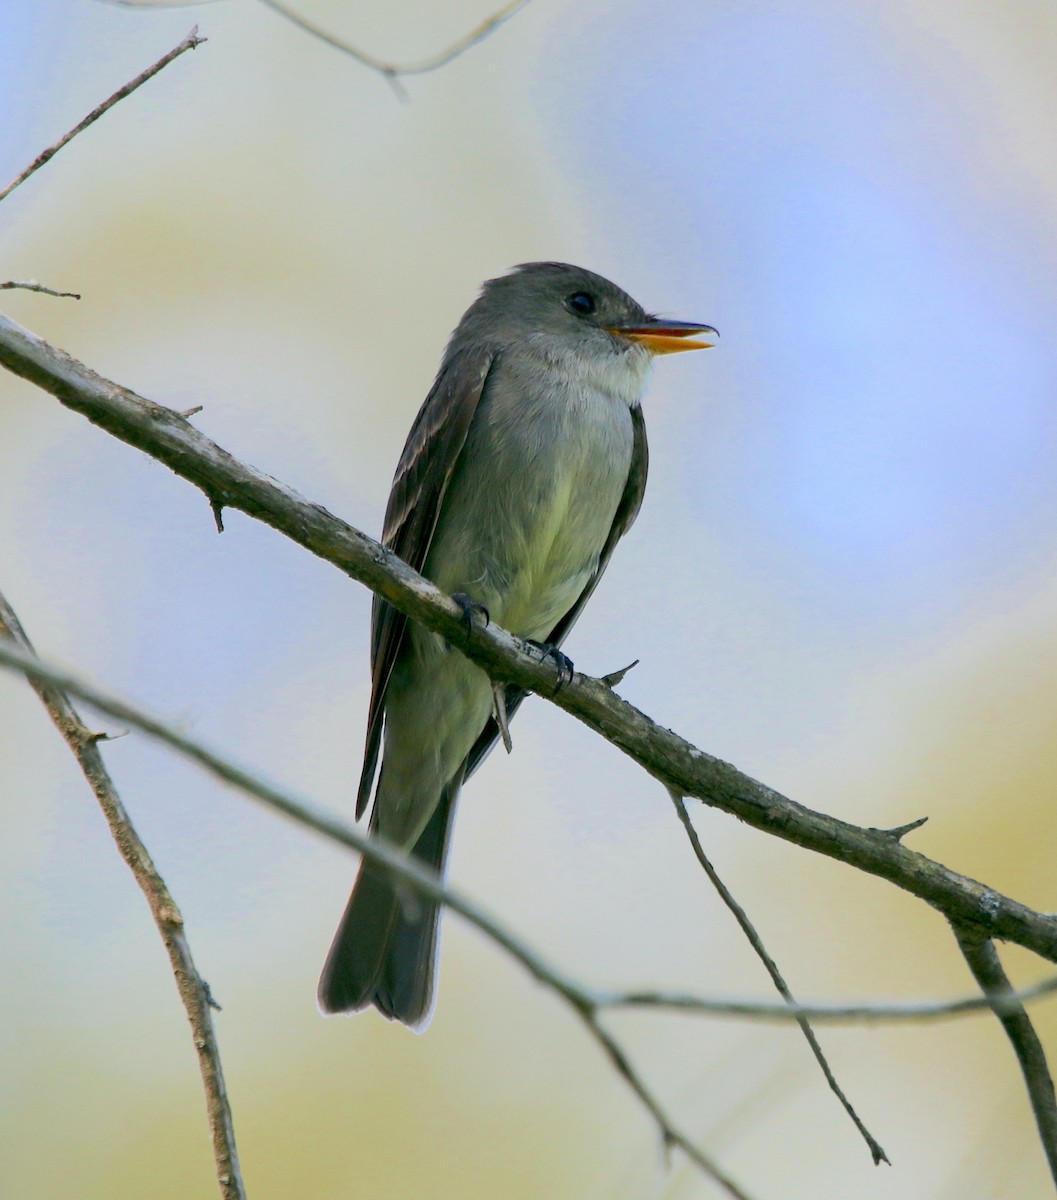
pixel 386 945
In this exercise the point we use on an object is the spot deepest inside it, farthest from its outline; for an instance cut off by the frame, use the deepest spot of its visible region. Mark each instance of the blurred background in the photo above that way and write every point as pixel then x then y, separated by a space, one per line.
pixel 843 579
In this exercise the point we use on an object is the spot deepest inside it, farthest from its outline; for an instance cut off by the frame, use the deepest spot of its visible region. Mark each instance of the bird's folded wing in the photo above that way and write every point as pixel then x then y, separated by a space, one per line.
pixel 422 476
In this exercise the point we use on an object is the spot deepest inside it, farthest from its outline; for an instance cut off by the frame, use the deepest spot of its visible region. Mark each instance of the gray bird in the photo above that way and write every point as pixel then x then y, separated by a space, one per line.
pixel 525 466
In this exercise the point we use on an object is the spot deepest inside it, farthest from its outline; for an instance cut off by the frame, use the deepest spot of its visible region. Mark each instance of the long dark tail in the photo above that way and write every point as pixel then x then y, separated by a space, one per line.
pixel 386 945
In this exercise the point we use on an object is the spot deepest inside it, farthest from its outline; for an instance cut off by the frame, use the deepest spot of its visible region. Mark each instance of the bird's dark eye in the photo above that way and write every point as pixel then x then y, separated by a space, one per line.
pixel 581 303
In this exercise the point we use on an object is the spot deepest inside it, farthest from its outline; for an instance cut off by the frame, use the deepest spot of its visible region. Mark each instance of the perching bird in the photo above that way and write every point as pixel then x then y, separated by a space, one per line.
pixel 525 466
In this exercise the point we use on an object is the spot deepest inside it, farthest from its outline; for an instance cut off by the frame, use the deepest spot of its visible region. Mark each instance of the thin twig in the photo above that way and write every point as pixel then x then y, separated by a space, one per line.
pixel 830 1014
pixel 31 285
pixel 986 966
pixel 756 942
pixel 675 762
pixel 408 869
pixel 194 992
pixel 189 43
pixel 392 71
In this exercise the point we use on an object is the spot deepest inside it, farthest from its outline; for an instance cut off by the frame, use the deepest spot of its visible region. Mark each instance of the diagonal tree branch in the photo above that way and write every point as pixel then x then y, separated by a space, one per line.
pixel 987 969
pixel 189 43
pixel 678 765
pixel 194 992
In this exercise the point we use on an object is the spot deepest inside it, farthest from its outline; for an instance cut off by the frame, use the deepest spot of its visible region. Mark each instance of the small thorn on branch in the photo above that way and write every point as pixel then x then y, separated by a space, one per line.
pixel 187 413
pixel 392 77
pixel 900 831
pixel 103 736
pixel 614 677
pixel 217 507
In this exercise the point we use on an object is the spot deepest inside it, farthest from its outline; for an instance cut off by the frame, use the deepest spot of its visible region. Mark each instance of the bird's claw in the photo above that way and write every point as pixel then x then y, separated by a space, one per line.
pixel 470 607
pixel 562 662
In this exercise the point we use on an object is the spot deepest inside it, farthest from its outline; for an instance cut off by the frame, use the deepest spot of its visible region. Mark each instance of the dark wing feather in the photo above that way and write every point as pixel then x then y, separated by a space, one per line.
pixel 627 511
pixel 421 481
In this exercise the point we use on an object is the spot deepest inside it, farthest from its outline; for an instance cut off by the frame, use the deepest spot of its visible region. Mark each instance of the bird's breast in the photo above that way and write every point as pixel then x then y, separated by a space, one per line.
pixel 533 499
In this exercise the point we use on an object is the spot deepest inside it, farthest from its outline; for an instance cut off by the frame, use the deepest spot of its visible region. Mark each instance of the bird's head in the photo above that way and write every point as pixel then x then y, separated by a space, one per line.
pixel 574 317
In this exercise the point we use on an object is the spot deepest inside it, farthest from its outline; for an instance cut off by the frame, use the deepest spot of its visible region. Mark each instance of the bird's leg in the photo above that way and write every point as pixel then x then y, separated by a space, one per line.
pixel 562 662
pixel 469 607
pixel 499 712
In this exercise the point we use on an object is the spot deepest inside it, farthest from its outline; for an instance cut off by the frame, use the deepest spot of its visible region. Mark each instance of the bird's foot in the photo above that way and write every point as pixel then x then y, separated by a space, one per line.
pixel 562 662
pixel 470 607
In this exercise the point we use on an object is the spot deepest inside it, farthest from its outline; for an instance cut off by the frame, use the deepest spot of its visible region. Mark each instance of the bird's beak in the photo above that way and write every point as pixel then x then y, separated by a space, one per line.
pixel 665 337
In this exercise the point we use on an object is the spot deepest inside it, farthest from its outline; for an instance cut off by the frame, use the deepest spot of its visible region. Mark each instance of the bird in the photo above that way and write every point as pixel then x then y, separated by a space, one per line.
pixel 524 467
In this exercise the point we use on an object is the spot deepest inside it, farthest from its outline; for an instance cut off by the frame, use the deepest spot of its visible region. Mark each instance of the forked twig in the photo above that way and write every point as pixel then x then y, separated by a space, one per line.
pixel 392 71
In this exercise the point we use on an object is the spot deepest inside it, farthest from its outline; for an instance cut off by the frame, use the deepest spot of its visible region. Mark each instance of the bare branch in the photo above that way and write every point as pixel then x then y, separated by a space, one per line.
pixel 31 285
pixel 831 1014
pixel 189 43
pixel 378 850
pixel 986 966
pixel 392 71
pixel 678 765
pixel 756 942
pixel 194 992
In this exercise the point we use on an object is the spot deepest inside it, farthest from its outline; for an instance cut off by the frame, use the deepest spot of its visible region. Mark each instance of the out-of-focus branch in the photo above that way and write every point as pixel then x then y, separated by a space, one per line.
pixel 678 765
pixel 428 882
pixel 771 967
pixel 189 43
pixel 987 969
pixel 392 71
pixel 831 1014
pixel 432 885
pixel 194 992
pixel 672 1137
